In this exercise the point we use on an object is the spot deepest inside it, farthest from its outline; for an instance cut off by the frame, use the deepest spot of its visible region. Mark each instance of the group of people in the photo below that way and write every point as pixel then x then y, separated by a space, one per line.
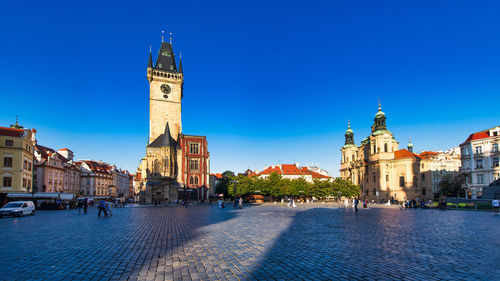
pixel 238 203
pixel 415 203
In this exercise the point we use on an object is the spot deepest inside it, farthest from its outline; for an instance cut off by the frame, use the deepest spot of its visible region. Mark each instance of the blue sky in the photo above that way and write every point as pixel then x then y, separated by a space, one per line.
pixel 267 82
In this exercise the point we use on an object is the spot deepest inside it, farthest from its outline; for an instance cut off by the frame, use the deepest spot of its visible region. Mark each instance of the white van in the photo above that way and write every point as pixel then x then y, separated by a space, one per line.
pixel 18 209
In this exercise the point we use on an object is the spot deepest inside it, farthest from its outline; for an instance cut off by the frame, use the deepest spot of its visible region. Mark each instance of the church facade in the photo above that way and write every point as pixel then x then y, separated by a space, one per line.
pixel 382 170
pixel 176 166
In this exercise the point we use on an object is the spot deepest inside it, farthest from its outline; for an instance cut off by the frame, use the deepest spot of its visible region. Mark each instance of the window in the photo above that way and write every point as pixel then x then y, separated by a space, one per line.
pixel 495 162
pixel 193 165
pixel 401 181
pixel 495 134
pixel 423 177
pixel 415 181
pixel 24 182
pixel 480 178
pixel 466 164
pixel 479 163
pixel 466 151
pixel 374 148
pixel 7 181
pixel 25 164
pixel 165 53
pixel 9 142
pixel 193 180
pixel 194 148
pixel 7 162
pixel 494 147
pixel 387 178
pixel 479 149
pixel 29 166
pixel 424 191
pixel 385 147
pixel 160 65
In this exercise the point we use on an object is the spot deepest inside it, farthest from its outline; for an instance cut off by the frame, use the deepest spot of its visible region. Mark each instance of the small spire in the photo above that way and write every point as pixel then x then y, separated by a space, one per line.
pixel 170 37
pixel 150 61
pixel 348 123
pixel 379 107
pixel 410 145
pixel 162 33
pixel 180 62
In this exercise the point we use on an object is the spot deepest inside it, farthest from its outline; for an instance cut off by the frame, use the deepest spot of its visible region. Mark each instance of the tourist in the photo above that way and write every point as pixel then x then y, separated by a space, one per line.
pixel 235 205
pixel 108 207
pixel 365 204
pixel 495 204
pixel 293 204
pixel 356 202
pixel 240 202
pixel 102 208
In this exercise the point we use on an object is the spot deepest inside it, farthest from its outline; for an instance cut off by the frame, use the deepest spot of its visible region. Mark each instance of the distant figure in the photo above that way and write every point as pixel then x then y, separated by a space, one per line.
pixel 79 205
pixel 85 206
pixel 282 201
pixel 235 205
pixel 108 207
pixel 356 202
pixel 293 204
pixel 346 203
pixel 365 204
pixel 240 203
pixel 495 204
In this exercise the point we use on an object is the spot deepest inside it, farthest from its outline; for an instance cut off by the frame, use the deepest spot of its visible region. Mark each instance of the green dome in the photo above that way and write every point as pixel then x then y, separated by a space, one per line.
pixel 380 113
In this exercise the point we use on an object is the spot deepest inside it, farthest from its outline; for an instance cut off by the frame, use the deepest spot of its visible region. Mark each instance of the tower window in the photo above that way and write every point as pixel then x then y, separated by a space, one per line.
pixel 385 147
pixel 171 67
pixel 193 165
pixel 9 143
pixel 401 181
pixel 165 53
pixel 160 65
pixel 194 148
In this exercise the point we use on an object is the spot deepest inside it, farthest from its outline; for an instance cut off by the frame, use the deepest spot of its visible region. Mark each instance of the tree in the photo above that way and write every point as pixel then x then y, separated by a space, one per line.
pixel 345 188
pixel 452 185
pixel 224 184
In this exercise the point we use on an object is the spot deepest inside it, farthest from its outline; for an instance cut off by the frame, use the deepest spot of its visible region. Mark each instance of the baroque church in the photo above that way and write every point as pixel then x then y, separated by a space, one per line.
pixel 176 166
pixel 382 170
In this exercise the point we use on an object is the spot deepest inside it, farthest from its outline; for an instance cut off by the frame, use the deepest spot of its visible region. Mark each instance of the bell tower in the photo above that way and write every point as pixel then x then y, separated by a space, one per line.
pixel 165 93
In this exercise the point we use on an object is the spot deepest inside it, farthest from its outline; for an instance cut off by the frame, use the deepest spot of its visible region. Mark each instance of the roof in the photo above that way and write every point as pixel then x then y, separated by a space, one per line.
pixel 291 169
pixel 11 132
pixel 166 58
pixel 164 140
pixel 403 153
pixel 478 136
pixel 428 154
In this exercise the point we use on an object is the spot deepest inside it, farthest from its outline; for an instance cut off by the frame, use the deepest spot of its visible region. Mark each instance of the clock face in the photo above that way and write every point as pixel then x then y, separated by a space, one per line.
pixel 165 88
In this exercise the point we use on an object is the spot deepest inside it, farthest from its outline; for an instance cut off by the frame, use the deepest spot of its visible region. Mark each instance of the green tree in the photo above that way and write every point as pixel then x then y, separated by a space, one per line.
pixel 452 185
pixel 345 188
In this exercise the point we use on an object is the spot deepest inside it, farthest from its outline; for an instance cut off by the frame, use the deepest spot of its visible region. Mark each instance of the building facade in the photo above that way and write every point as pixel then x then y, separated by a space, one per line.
pixel 16 156
pixel 55 171
pixel 480 160
pixel 96 179
pixel 168 171
pixel 382 170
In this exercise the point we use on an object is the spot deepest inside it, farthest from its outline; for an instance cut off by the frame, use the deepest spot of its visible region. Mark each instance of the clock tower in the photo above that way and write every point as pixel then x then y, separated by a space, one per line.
pixel 165 93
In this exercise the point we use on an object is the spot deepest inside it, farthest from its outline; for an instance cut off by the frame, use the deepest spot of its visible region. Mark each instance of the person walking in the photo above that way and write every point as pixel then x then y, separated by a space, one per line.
pixel 108 207
pixel 235 205
pixel 496 206
pixel 240 203
pixel 79 205
pixel 102 208
pixel 365 204
pixel 356 202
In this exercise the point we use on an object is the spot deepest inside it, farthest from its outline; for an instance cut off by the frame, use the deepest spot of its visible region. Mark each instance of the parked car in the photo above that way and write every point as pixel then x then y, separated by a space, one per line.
pixel 18 209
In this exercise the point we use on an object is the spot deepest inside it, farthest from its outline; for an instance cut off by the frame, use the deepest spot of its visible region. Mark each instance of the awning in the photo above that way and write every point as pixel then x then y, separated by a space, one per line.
pixel 67 196
pixel 19 195
pixel 46 195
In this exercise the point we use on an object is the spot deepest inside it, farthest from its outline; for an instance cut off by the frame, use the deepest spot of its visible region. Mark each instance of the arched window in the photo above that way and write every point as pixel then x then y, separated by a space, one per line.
pixel 156 166
pixel 193 180
pixel 385 147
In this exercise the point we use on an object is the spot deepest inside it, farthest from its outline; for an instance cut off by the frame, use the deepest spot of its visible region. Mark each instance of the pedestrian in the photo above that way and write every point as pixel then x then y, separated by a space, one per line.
pixel 235 205
pixel 79 205
pixel 293 204
pixel 85 206
pixel 108 207
pixel 495 204
pixel 346 203
pixel 240 202
pixel 356 202
pixel 282 201
pixel 365 204
pixel 102 208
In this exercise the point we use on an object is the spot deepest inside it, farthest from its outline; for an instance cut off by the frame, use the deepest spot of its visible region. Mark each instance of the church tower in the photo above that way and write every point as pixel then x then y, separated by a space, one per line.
pixel 165 93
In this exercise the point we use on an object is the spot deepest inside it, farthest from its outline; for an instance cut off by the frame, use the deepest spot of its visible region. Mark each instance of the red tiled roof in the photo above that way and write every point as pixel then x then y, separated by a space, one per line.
pixel 428 154
pixel 11 132
pixel 402 153
pixel 478 136
pixel 290 169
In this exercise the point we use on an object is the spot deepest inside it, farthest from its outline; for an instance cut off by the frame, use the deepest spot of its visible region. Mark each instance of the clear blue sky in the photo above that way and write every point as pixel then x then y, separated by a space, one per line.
pixel 266 82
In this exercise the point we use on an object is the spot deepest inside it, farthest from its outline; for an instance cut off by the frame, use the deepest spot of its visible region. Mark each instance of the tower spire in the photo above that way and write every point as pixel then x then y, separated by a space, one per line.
pixel 170 37
pixel 162 34
pixel 349 134
pixel 410 145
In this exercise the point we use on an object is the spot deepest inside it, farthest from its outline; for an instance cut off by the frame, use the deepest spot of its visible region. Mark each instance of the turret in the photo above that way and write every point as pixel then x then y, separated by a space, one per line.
pixel 349 135
pixel 379 121
pixel 410 146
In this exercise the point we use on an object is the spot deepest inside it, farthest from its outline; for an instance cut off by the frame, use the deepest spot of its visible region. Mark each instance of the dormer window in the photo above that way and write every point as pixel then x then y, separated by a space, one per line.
pixel 165 53
pixel 171 67
pixel 160 65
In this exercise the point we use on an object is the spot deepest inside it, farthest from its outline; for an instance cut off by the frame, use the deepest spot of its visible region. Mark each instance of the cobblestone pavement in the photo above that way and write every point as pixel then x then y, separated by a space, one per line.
pixel 255 243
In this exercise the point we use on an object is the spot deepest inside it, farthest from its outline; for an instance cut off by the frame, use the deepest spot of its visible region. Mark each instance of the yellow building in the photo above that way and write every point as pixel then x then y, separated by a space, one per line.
pixel 16 156
pixel 382 170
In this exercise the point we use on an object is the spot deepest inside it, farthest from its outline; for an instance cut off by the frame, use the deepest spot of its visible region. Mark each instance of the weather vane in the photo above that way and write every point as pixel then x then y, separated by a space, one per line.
pixel 162 33
pixel 170 37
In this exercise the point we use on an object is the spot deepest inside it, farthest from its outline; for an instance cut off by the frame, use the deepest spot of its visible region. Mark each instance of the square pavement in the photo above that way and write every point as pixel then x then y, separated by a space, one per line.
pixel 267 242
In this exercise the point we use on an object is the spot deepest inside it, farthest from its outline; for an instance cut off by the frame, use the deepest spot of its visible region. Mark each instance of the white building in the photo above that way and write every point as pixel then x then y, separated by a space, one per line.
pixel 480 160
pixel 441 165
